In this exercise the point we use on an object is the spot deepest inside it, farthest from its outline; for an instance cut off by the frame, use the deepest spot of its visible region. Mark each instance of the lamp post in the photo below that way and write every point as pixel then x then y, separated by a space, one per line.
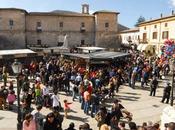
pixel 17 67
pixel 173 81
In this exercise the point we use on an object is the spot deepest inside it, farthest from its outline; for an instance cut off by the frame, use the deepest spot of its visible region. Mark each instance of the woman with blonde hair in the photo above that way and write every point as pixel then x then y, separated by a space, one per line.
pixel 104 127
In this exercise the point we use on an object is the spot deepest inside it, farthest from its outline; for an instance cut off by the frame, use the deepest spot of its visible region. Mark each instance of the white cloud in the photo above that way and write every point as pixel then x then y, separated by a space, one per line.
pixel 172 2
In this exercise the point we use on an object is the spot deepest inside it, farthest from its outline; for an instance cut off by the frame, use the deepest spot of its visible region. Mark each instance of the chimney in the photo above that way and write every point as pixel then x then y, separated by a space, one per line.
pixel 161 15
pixel 85 8
pixel 172 12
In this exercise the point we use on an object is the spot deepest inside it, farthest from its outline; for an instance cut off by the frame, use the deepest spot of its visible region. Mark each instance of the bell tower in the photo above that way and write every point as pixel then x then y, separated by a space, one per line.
pixel 85 8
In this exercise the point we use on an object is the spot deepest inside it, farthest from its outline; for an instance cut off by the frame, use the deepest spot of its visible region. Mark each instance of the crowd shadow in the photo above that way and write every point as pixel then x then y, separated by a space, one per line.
pixel 158 96
pixel 129 98
pixel 108 102
pixel 71 117
pixel 147 88
pixel 14 109
pixel 130 93
pixel 1 117
pixel 156 106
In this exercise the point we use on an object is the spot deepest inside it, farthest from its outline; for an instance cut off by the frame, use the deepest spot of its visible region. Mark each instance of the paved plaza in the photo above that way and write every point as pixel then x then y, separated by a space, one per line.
pixel 143 107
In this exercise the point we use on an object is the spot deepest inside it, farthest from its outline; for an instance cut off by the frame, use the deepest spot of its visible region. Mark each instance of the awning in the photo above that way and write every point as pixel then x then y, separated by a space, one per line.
pixel 146 47
pixel 101 55
pixel 139 47
pixel 18 53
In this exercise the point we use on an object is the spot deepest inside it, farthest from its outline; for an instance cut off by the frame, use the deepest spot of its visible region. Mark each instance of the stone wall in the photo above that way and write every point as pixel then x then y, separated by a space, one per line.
pixel 25 31
pixel 106 36
pixel 12 34
pixel 51 30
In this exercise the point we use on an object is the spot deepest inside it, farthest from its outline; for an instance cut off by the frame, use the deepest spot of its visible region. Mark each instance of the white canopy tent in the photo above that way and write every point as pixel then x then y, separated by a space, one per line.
pixel 139 47
pixel 18 53
pixel 90 49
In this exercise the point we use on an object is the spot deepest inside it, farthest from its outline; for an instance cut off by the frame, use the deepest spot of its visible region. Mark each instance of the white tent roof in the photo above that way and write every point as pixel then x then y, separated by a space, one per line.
pixel 139 47
pixel 91 48
pixel 14 52
pixel 101 55
pixel 18 53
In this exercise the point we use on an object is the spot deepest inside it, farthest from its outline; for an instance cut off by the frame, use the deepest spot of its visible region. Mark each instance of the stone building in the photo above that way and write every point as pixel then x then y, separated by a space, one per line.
pixel 19 28
pixel 12 28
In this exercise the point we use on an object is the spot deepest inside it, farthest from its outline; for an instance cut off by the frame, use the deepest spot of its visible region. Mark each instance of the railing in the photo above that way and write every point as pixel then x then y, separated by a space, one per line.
pixel 143 41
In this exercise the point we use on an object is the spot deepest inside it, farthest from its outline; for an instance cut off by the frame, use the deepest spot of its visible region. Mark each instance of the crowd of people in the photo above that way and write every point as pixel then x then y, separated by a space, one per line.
pixel 90 87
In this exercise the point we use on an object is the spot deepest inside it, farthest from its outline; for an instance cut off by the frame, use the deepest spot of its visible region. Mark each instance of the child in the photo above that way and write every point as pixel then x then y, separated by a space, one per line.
pixel 66 108
pixel 11 98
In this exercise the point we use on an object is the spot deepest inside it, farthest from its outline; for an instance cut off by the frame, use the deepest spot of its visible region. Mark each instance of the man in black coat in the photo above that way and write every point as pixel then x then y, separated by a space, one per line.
pixel 166 93
pixel 153 85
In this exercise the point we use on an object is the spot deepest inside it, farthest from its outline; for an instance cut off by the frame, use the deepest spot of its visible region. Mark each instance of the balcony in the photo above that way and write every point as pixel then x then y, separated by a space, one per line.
pixel 82 29
pixel 39 29
pixel 129 40
pixel 143 41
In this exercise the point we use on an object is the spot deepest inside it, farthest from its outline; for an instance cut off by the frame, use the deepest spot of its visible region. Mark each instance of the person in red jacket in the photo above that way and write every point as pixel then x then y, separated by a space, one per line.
pixel 66 108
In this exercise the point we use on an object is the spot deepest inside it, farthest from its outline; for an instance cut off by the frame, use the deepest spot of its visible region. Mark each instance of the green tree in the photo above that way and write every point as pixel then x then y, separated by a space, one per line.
pixel 140 20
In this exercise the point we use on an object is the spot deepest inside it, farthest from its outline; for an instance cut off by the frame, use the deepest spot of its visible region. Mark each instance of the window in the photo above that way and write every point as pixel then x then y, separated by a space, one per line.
pixel 38 24
pixel 82 42
pixel 155 26
pixel 85 10
pixel 106 25
pixel 138 37
pixel 11 23
pixel 38 27
pixel 61 24
pixel 144 37
pixel 38 42
pixel 82 24
pixel 154 35
pixel 166 24
pixel 144 28
pixel 165 35
pixel 129 39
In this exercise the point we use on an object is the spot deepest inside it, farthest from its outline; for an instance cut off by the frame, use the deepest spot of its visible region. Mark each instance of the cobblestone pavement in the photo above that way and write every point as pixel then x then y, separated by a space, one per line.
pixel 143 107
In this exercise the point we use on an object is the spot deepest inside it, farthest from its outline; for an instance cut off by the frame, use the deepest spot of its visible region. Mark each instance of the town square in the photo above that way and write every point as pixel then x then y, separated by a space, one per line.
pixel 87 65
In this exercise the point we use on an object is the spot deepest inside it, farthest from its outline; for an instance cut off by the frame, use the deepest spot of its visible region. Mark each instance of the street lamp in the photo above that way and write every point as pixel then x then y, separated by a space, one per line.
pixel 17 67
pixel 173 82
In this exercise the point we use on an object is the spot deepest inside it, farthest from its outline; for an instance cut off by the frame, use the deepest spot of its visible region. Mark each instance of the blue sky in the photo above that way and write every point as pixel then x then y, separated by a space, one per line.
pixel 130 10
